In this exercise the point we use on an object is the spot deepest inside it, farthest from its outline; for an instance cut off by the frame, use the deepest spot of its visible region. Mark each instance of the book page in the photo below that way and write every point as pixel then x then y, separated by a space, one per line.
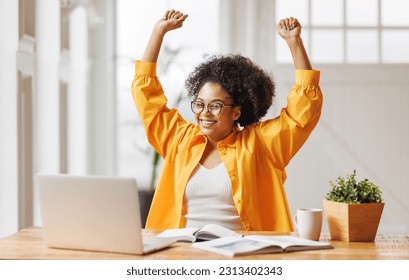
pixel 180 234
pixel 212 231
pixel 288 241
pixel 259 244
pixel 233 245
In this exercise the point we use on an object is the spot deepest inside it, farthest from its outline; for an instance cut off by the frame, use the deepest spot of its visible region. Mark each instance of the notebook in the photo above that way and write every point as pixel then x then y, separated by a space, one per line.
pixel 93 213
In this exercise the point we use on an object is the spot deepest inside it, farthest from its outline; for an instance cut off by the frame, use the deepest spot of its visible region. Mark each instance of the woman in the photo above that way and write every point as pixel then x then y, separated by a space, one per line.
pixel 215 172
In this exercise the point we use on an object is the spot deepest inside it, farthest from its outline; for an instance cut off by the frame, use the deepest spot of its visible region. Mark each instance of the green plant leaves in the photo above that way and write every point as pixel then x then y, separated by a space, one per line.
pixel 348 190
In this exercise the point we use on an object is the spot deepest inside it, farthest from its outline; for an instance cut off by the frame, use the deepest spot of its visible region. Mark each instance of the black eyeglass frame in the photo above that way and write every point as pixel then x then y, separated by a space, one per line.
pixel 207 106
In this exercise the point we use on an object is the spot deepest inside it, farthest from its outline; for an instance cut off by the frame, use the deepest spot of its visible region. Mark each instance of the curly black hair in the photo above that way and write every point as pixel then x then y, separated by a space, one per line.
pixel 250 86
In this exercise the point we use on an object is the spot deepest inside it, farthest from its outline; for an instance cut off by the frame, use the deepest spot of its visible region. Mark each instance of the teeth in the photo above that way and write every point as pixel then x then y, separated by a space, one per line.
pixel 206 122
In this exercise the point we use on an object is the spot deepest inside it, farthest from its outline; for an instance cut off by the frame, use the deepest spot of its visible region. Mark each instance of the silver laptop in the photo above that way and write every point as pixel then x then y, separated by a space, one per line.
pixel 93 213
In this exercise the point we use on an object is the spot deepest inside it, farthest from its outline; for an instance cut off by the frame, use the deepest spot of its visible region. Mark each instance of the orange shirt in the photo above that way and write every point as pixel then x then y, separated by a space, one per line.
pixel 255 157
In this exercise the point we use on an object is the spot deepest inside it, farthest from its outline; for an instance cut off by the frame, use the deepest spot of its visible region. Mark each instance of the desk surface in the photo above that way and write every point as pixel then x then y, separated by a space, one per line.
pixel 29 244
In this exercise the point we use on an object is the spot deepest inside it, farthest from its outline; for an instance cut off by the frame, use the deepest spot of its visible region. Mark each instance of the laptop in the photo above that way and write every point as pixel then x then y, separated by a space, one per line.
pixel 94 213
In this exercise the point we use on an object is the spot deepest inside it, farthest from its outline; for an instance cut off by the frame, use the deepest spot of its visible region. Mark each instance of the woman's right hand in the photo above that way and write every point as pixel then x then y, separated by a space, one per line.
pixel 170 21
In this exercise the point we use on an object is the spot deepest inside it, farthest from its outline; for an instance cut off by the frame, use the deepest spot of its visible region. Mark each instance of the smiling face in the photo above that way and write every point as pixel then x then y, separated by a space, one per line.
pixel 216 127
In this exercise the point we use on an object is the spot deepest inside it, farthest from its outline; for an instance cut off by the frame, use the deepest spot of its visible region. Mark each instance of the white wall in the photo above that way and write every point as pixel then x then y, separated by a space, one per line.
pixel 364 127
pixel 8 117
pixel 364 124
pixel 60 142
pixel 46 143
pixel 78 93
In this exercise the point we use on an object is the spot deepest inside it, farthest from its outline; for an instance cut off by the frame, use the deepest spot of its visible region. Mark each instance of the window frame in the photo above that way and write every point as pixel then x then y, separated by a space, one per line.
pixel 309 28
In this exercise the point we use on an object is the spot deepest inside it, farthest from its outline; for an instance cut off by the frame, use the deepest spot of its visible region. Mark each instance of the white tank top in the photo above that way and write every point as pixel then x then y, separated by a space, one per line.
pixel 209 200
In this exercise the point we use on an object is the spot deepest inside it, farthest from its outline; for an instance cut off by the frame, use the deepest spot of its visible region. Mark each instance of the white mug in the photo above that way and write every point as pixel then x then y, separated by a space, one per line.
pixel 309 222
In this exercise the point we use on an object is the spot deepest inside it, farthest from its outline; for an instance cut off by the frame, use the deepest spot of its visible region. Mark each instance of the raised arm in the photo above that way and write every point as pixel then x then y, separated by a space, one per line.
pixel 170 21
pixel 290 30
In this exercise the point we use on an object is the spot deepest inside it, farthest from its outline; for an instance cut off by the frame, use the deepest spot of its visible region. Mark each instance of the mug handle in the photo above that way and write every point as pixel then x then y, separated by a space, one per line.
pixel 295 221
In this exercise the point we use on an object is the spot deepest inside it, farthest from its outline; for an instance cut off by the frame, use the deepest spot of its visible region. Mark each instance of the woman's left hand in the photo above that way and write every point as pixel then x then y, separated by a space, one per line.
pixel 289 27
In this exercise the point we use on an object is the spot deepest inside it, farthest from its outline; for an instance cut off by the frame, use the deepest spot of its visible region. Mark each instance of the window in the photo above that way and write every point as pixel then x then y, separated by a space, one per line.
pixel 184 48
pixel 338 32
pixel 348 31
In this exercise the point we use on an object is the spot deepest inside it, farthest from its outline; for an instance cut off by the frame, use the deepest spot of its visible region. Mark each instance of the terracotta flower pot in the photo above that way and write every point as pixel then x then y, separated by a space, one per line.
pixel 353 222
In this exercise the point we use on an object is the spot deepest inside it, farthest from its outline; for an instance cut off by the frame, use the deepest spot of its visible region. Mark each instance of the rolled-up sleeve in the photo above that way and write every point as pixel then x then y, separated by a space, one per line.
pixel 305 98
pixel 147 91
pixel 161 123
pixel 283 136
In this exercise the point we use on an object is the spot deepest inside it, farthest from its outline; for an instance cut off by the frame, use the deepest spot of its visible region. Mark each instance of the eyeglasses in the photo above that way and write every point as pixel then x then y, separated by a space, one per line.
pixel 214 108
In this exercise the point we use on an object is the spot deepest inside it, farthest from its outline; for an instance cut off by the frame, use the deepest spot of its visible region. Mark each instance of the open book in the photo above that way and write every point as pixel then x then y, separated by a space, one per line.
pixel 259 244
pixel 207 232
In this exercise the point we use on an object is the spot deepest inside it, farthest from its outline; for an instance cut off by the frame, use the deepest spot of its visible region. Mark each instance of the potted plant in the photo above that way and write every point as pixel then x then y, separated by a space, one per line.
pixel 353 209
